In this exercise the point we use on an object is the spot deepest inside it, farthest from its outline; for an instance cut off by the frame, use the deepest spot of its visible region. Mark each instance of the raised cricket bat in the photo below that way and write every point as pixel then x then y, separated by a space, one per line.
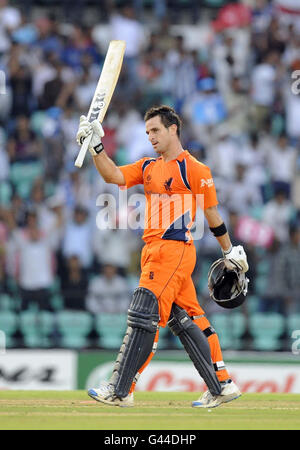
pixel 104 90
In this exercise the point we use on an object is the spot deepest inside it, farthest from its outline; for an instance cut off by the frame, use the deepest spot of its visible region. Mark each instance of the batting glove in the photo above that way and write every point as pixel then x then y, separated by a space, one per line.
pixel 85 129
pixel 236 255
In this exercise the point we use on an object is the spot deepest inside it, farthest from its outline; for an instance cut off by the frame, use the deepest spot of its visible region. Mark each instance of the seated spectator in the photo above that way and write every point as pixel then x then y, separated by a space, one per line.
pixel 108 292
pixel 74 285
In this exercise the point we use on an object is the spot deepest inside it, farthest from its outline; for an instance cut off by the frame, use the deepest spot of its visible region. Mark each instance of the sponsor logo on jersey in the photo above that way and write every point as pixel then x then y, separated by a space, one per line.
pixel 209 182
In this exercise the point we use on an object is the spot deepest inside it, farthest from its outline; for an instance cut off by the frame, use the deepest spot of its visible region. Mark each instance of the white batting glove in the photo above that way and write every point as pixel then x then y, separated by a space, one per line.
pixel 236 255
pixel 85 129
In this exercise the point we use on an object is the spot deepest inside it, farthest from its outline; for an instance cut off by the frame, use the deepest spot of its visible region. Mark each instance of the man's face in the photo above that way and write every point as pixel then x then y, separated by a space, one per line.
pixel 160 136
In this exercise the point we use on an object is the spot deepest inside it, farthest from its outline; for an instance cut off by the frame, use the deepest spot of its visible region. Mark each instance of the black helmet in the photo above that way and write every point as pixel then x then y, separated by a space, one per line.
pixel 227 285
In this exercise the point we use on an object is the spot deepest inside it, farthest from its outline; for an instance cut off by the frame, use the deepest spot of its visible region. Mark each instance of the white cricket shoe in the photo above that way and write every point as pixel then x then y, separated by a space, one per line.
pixel 106 394
pixel 229 392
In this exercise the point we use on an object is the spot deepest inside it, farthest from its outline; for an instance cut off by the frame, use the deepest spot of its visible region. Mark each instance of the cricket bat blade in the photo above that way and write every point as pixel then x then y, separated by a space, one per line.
pixel 104 90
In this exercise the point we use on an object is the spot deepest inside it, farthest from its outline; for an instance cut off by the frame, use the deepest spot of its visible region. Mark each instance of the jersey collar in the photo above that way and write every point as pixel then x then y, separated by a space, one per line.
pixel 180 158
pixel 182 155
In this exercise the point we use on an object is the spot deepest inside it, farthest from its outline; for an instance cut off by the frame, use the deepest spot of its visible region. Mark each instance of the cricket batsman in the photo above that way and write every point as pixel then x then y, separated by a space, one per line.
pixel 166 294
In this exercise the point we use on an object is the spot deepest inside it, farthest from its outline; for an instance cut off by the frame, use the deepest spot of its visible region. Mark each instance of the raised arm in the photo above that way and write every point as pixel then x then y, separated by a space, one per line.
pixel 108 170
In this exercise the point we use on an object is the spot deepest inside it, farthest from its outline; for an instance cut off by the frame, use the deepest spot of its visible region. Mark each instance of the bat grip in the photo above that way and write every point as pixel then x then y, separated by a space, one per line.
pixel 83 150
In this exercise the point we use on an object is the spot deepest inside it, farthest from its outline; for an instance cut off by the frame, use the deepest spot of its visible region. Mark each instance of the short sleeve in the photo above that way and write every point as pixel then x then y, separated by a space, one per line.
pixel 202 182
pixel 133 173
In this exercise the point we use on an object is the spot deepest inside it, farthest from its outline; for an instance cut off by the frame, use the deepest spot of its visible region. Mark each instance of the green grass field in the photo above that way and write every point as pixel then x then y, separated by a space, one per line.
pixel 74 410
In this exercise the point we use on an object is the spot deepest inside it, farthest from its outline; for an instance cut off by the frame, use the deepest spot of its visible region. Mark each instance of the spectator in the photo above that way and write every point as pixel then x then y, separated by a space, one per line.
pixel 108 292
pixel 23 145
pixel 263 88
pixel 253 157
pixel 205 109
pixel 4 160
pixel 223 154
pixel 237 105
pixel 74 285
pixel 282 160
pixel 124 26
pixel 272 293
pixel 289 268
pixel 34 252
pixel 278 213
pixel 77 239
pixel 56 91
pixel 10 19
pixel 37 201
pixel 20 82
pixel 114 247
pixel 241 196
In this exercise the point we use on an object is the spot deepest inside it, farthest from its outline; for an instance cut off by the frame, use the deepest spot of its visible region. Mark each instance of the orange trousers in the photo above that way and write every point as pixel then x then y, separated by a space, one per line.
pixel 166 270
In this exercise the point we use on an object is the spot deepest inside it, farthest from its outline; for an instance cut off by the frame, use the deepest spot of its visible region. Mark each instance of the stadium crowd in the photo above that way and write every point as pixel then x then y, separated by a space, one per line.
pixel 231 82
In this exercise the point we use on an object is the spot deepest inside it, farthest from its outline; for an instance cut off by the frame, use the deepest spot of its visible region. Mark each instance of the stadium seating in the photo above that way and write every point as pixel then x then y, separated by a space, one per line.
pixel 111 329
pixel 23 175
pixel 6 302
pixel 5 193
pixel 8 324
pixel 37 327
pixel 166 337
pixel 293 329
pixel 230 328
pixel 266 330
pixel 74 327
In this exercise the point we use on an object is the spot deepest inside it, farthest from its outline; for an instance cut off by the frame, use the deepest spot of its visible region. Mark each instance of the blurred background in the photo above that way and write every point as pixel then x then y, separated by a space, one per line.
pixel 229 68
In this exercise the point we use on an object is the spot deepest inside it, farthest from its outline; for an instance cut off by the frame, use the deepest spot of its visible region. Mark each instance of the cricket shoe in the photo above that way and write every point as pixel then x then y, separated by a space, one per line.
pixel 229 392
pixel 106 394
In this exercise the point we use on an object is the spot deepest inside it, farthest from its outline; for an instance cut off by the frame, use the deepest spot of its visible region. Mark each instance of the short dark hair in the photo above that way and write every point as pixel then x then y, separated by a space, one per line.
pixel 167 115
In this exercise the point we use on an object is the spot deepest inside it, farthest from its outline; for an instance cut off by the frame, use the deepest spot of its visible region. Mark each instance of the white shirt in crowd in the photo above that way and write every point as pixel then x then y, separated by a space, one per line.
pixel 35 261
pixel 114 246
pixel 263 84
pixel 278 216
pixel 108 295
pixel 282 164
pixel 77 241
pixel 130 31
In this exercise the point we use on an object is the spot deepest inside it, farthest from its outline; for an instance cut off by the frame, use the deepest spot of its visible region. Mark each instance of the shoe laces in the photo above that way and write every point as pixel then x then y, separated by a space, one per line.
pixel 107 388
pixel 207 397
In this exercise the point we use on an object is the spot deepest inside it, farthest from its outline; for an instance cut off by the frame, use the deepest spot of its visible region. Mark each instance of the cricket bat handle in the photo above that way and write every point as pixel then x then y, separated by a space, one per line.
pixel 83 150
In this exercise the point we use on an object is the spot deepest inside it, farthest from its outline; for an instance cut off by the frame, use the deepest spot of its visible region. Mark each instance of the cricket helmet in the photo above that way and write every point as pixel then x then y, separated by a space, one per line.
pixel 227 285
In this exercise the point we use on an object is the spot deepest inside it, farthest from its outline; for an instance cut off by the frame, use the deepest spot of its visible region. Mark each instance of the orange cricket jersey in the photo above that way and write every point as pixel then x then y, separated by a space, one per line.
pixel 173 191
